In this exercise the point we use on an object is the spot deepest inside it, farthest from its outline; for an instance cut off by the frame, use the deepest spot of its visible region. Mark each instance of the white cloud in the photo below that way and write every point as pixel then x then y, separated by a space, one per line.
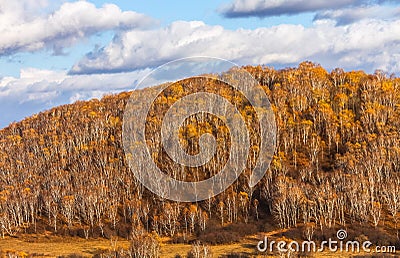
pixel 265 8
pixel 36 90
pixel 36 81
pixel 359 45
pixel 24 27
pixel 268 8
pixel 350 15
pixel 138 49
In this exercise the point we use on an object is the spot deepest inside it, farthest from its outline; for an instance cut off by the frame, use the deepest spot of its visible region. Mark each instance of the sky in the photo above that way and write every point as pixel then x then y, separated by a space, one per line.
pixel 55 52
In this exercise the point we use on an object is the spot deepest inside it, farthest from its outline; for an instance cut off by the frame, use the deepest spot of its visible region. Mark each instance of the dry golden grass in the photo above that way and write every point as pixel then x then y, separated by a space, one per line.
pixel 53 246
pixel 171 250
pixel 43 246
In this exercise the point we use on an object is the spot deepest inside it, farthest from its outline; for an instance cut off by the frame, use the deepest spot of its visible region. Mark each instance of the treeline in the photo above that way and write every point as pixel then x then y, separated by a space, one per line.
pixel 336 163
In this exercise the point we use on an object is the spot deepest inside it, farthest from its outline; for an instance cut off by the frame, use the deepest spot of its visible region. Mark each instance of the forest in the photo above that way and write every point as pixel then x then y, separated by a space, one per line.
pixel 336 165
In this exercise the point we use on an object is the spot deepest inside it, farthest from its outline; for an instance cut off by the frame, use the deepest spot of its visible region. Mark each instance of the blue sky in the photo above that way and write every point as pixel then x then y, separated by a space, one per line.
pixel 55 52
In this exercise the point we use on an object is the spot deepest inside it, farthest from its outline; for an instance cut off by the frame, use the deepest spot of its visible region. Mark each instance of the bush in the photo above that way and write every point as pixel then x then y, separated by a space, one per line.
pixel 199 251
pixel 179 239
pixel 220 237
pixel 242 228
pixel 112 254
pixel 226 235
pixel 144 246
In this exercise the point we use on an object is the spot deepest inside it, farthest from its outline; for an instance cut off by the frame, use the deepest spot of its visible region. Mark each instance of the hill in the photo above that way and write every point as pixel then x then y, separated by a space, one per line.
pixel 336 165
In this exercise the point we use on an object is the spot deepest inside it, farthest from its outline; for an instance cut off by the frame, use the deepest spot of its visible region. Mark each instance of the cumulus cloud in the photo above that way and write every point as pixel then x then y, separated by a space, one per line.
pixel 135 49
pixel 36 90
pixel 350 15
pixel 368 44
pixel 268 8
pixel 24 26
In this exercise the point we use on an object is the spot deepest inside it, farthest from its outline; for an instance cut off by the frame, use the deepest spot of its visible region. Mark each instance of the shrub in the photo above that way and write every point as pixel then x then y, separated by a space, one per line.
pixel 199 251
pixel 144 246
pixel 220 237
pixel 242 228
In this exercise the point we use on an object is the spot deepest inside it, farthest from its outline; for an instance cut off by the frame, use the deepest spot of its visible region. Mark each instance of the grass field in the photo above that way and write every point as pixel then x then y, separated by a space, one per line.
pixel 41 246
pixel 53 246
pixel 46 246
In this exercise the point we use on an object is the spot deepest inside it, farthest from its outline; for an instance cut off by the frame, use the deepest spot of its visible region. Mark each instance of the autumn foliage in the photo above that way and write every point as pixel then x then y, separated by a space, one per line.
pixel 337 162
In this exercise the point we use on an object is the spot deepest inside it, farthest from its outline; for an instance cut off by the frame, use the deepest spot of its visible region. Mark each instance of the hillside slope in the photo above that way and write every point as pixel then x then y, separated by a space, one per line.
pixel 337 163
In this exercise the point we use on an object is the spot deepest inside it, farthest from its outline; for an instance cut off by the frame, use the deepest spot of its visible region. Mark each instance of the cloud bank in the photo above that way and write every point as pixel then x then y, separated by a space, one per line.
pixel 367 44
pixel 24 28
pixel 351 15
pixel 36 90
pixel 269 8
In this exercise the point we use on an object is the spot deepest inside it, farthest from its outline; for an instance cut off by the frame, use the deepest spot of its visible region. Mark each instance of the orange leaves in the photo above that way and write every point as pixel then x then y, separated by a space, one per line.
pixel 27 190
pixel 114 121
pixel 4 196
pixel 16 139
pixel 355 77
pixel 387 87
pixel 112 138
pixel 191 131
pixel 306 123
pixel 193 208
pixel 46 151
pixel 341 99
pixel 68 199
pixel 92 114
pixel 244 196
